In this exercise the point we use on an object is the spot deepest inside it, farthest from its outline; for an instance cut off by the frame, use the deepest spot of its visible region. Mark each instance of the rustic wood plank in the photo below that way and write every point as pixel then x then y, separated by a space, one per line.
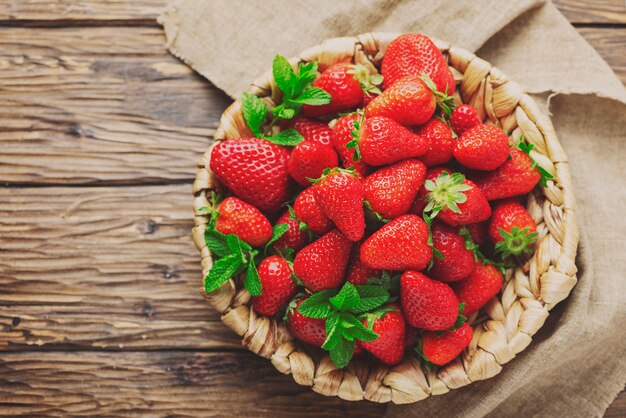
pixel 577 11
pixel 86 105
pixel 160 384
pixel 611 45
pixel 102 268
pixel 618 407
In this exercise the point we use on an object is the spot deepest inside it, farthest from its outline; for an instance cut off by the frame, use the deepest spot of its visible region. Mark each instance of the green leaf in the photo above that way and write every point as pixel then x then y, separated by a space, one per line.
pixel 371 297
pixel 237 246
pixel 283 112
pixel 333 333
pixel 288 137
pixel 277 231
pixel 222 270
pixel 342 352
pixel 216 242
pixel 347 298
pixel 313 96
pixel 353 329
pixel 252 281
pixel 254 112
pixel 390 283
pixel 317 305
pixel 284 75
pixel 306 74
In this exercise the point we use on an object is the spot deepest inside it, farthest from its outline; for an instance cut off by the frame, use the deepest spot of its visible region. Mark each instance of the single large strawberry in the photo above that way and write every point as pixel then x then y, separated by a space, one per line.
pixel 479 287
pixel 464 117
pixel 414 54
pixel 322 264
pixel 516 176
pixel 401 244
pixel 388 322
pixel 483 147
pixel 455 200
pixel 345 84
pixel 457 262
pixel 295 237
pixel 309 330
pixel 277 283
pixel 309 159
pixel 383 141
pixel 391 190
pixel 409 101
pixel 244 220
pixel 313 130
pixel 310 213
pixel 441 348
pixel 440 142
pixel 358 273
pixel 427 303
pixel 255 170
pixel 512 229
pixel 342 136
pixel 340 195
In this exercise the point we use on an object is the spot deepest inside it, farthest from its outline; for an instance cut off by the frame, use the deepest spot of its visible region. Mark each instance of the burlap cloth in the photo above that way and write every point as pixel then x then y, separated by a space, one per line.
pixel 576 364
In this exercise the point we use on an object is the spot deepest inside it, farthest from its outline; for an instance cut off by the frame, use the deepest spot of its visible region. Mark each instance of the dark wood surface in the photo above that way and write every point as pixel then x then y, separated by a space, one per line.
pixel 100 131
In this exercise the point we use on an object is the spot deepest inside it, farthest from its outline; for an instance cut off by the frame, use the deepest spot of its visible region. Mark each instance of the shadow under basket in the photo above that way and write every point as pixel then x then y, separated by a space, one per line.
pixel 506 324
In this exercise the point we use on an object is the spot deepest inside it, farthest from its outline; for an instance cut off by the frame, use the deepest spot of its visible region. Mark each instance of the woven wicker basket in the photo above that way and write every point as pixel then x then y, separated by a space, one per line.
pixel 509 321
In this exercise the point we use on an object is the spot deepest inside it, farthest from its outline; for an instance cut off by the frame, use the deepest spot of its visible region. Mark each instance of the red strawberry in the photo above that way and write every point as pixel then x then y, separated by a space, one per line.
pixel 463 118
pixel 441 142
pixel 411 337
pixel 483 147
pixel 515 177
pixel 341 136
pixel 409 102
pixel 308 161
pixel 313 130
pixel 479 287
pixel 358 272
pixel 401 244
pixel 414 54
pixel 460 200
pixel 391 190
pixel 345 91
pixel 384 141
pixel 477 232
pixel 340 195
pixel 440 349
pixel 390 326
pixel 322 264
pixel 512 229
pixel 255 170
pixel 309 212
pixel 294 238
pixel 427 303
pixel 309 330
pixel 277 283
pixel 458 261
pixel 420 200
pixel 244 220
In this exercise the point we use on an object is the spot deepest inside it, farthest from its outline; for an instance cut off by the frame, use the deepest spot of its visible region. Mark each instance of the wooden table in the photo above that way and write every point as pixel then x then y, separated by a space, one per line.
pixel 100 130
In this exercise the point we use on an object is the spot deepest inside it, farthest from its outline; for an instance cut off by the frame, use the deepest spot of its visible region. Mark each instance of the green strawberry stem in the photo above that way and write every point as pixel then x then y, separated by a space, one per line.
pixel 445 192
pixel 444 102
pixel 526 148
pixel 369 82
pixel 517 242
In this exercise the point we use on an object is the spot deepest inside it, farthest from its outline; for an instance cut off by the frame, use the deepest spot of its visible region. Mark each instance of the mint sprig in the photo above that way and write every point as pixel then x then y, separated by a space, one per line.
pixel 341 308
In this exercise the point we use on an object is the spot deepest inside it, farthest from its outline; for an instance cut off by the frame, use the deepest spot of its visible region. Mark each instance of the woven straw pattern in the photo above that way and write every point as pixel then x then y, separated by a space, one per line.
pixel 509 320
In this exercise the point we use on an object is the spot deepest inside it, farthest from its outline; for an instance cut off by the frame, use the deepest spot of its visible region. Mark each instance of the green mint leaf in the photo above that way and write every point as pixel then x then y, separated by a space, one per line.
pixel 333 333
pixel 342 352
pixel 277 231
pixel 284 75
pixel 347 298
pixel 216 242
pixel 237 246
pixel 353 329
pixel 371 297
pixel 306 75
pixel 288 137
pixel 254 112
pixel 222 270
pixel 252 281
pixel 313 96
pixel 318 305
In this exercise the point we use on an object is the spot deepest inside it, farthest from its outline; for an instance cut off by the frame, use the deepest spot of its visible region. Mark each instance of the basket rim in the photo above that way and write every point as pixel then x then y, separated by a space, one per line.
pixel 512 318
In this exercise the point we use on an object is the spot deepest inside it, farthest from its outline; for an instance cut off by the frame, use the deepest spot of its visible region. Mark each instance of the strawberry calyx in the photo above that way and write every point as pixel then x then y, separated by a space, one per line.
pixel 526 148
pixel 425 360
pixel 388 282
pixel 356 133
pixel 460 320
pixel 445 192
pixel 336 170
pixel 377 215
pixel 445 102
pixel 516 242
pixel 369 82
pixel 378 313
pixel 436 253
pixel 478 255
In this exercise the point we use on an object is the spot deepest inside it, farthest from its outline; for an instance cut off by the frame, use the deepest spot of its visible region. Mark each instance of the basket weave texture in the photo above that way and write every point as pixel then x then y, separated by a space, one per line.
pixel 507 323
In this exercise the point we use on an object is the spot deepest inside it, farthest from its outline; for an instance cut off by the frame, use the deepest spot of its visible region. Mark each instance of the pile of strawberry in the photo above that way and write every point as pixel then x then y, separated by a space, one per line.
pixel 395 213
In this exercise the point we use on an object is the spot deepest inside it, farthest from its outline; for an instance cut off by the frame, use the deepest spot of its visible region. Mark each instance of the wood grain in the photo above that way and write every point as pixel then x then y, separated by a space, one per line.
pixel 102 268
pixel 611 45
pixel 100 105
pixel 160 384
pixel 577 11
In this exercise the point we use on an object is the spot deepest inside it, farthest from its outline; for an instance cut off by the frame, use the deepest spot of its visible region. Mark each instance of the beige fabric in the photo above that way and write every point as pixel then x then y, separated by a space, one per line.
pixel 576 364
